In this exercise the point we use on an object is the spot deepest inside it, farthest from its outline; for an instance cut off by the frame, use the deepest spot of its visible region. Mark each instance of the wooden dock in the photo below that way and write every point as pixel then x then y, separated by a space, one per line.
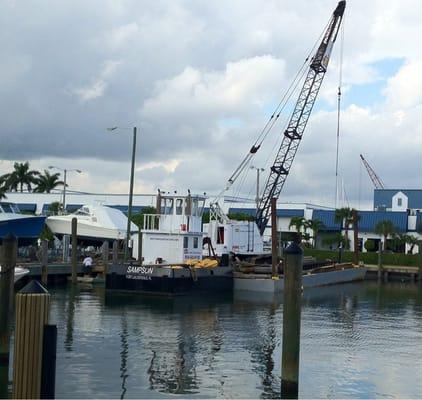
pixel 393 273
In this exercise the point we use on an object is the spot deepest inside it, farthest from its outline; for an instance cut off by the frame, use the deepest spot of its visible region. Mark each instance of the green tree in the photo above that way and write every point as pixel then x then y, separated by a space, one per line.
pixel 385 228
pixel 3 190
pixel 47 182
pixel 54 208
pixel 335 239
pixel 344 217
pixel 138 218
pixel 298 223
pixel 315 225
pixel 20 177
pixel 239 216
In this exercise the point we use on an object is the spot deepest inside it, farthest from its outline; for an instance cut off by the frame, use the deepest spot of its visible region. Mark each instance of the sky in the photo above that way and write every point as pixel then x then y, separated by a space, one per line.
pixel 199 80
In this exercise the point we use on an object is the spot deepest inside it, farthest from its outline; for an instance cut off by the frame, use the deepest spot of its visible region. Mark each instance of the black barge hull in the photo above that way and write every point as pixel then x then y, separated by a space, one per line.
pixel 165 280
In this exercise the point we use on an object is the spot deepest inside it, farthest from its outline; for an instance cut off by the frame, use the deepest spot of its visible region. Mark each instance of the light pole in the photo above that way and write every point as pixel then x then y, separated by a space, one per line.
pixel 132 174
pixel 258 170
pixel 65 171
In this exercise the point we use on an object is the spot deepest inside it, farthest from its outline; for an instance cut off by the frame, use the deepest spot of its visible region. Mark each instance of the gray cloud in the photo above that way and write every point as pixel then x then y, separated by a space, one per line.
pixel 199 79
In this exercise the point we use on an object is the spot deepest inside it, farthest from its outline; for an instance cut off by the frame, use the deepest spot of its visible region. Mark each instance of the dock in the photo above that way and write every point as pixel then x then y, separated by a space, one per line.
pixel 393 272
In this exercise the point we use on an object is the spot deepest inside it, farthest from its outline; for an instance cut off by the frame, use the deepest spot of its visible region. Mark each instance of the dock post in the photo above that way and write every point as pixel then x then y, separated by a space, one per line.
pixel 8 262
pixel 140 246
pixel 292 298
pixel 379 261
pixel 74 248
pixel 274 241
pixel 115 252
pixel 32 308
pixel 44 261
pixel 105 257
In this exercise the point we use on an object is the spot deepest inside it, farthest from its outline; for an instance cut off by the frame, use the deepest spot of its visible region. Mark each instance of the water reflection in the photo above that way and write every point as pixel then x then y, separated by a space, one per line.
pixel 123 353
pixel 213 346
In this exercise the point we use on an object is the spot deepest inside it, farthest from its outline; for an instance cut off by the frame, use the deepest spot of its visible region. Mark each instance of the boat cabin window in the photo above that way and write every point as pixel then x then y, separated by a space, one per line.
pixel 195 242
pixel 201 204
pixel 166 206
pixel 9 208
pixel 194 207
pixel 179 206
pixel 82 211
pixel 185 242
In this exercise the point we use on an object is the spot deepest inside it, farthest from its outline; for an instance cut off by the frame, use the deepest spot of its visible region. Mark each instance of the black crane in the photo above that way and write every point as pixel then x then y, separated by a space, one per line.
pixel 299 118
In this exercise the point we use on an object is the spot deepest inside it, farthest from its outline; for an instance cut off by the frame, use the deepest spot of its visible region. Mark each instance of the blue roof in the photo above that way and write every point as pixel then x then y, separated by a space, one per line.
pixel 25 207
pixel 288 213
pixel 73 207
pixel 369 219
pixel 124 209
pixel 239 210
pixel 383 197
pixel 282 213
pixel 327 218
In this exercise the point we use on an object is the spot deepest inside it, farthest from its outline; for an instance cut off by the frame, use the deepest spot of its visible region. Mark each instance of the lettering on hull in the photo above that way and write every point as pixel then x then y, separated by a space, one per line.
pixel 139 273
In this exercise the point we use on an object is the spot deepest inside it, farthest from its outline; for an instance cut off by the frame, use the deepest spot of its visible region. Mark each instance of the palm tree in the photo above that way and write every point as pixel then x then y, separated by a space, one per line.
pixel 20 177
pixel 315 225
pixel 298 223
pixel 344 217
pixel 385 228
pixel 3 190
pixel 47 182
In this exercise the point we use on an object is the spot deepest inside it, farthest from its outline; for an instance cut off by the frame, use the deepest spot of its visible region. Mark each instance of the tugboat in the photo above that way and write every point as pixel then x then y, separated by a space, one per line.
pixel 170 256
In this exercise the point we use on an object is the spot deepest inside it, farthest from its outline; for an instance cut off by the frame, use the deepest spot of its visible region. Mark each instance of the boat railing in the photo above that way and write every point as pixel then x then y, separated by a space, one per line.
pixel 171 223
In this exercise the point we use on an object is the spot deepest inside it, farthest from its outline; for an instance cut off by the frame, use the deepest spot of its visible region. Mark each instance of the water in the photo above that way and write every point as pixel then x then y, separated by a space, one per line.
pixel 358 341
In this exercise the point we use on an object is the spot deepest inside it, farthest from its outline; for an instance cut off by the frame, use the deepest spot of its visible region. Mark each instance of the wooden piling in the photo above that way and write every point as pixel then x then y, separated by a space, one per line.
pixel 115 252
pixel 379 260
pixel 7 262
pixel 32 308
pixel 74 249
pixel 44 262
pixel 292 298
pixel 105 256
pixel 274 241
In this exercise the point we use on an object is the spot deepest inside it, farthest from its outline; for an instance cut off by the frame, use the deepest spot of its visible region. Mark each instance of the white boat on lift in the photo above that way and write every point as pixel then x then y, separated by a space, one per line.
pixel 95 222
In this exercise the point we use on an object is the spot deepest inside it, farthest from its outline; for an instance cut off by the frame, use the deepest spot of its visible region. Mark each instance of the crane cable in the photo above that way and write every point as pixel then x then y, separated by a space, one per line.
pixel 271 122
pixel 338 111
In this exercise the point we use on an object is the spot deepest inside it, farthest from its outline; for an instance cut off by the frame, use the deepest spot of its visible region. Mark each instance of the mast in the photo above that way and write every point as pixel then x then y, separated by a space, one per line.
pixel 299 118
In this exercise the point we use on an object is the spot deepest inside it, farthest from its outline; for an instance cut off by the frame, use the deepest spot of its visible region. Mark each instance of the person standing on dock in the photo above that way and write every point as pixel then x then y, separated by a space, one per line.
pixel 87 263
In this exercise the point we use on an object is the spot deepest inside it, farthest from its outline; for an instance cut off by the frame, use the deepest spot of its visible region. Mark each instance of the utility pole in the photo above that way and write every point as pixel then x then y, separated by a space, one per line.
pixel 129 211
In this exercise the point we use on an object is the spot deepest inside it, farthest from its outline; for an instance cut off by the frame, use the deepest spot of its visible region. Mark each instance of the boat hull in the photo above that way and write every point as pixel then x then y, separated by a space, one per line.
pixel 27 229
pixel 255 283
pixel 165 280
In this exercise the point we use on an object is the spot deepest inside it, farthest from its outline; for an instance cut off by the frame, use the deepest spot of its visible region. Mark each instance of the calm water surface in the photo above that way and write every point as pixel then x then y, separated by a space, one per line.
pixel 358 341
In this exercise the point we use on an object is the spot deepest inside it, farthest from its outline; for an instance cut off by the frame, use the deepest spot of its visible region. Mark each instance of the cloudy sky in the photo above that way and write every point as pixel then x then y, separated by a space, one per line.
pixel 200 79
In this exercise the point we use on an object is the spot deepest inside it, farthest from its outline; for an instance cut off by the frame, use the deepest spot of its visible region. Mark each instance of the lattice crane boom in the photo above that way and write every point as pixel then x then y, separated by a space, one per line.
pixel 376 180
pixel 299 118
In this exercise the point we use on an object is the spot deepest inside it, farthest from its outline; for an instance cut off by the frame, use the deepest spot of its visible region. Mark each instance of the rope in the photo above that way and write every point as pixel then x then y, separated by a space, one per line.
pixel 272 120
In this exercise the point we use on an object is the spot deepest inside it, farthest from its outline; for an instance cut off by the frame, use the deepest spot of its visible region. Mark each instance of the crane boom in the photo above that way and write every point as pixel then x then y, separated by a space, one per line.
pixel 299 118
pixel 376 180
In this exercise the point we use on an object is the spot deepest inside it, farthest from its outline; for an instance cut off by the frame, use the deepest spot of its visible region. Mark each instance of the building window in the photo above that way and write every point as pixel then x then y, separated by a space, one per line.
pixel 195 242
pixel 185 242
pixel 399 201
